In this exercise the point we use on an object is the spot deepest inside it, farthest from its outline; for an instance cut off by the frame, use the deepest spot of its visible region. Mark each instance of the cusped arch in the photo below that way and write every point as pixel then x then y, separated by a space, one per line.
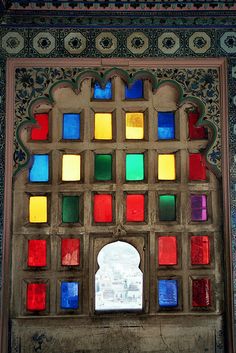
pixel 62 87
pixel 119 280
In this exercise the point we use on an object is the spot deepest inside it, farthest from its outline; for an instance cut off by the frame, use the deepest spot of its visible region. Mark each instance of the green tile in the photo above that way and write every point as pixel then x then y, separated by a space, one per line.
pixel 103 167
pixel 70 209
pixel 134 167
pixel 167 210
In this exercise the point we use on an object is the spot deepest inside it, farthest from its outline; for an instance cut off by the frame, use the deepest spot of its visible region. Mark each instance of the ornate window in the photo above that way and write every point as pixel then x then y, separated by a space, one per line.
pixel 117 209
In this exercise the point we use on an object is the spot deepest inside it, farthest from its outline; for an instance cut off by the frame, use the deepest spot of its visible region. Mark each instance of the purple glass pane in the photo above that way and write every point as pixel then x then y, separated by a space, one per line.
pixel 199 207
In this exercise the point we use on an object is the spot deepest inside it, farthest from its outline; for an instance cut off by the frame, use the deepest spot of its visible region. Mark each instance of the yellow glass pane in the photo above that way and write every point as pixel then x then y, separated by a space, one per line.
pixel 103 126
pixel 134 126
pixel 71 167
pixel 38 209
pixel 166 167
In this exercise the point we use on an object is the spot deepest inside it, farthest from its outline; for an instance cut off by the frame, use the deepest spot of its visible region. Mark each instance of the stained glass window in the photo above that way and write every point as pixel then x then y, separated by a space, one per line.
pixel 134 91
pixel 116 197
pixel 101 92
pixel 166 167
pixel 36 296
pixel 134 126
pixel 69 295
pixel 134 167
pixel 40 131
pixel 103 167
pixel 166 125
pixel 103 126
pixel 71 126
pixel 39 171
pixel 168 293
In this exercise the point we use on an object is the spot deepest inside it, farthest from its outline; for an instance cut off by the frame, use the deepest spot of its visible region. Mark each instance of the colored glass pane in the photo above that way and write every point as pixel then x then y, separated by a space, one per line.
pixel 168 292
pixel 134 167
pixel 71 126
pixel 196 132
pixel 40 131
pixel 134 91
pixel 167 208
pixel 37 253
pixel 69 295
pixel 199 207
pixel 39 172
pixel 197 167
pixel 167 251
pixel 201 292
pixel 200 250
pixel 38 209
pixel 102 208
pixel 36 296
pixel 103 167
pixel 70 252
pixel 103 92
pixel 71 167
pixel 166 125
pixel 166 167
pixel 134 126
pixel 103 126
pixel 70 209
pixel 135 208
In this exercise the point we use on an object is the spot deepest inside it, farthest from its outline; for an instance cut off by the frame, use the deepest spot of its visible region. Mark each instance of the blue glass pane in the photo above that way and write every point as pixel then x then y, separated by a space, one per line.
pixel 71 126
pixel 135 91
pixel 166 125
pixel 69 295
pixel 103 93
pixel 168 292
pixel 39 171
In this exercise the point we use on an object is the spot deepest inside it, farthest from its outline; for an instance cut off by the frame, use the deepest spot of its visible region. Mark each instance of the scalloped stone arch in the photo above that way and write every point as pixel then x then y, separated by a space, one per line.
pixel 102 76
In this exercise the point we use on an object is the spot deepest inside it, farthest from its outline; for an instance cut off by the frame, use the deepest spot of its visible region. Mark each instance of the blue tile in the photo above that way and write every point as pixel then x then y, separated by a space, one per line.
pixel 39 171
pixel 166 125
pixel 168 292
pixel 71 126
pixel 103 93
pixel 135 91
pixel 69 295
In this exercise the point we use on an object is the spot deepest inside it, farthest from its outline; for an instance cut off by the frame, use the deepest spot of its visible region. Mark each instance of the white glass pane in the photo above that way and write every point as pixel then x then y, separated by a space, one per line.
pixel 119 280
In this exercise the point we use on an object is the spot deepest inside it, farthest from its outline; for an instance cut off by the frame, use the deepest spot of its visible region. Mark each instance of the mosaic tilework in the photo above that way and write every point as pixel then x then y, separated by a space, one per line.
pixel 123 36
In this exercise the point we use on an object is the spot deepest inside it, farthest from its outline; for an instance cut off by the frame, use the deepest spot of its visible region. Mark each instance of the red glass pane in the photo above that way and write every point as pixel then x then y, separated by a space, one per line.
pixel 37 253
pixel 36 296
pixel 195 132
pixel 102 208
pixel 40 132
pixel 70 252
pixel 200 250
pixel 201 292
pixel 167 251
pixel 197 167
pixel 135 208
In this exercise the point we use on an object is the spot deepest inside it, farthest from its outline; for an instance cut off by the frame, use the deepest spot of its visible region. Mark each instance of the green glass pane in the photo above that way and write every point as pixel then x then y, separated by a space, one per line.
pixel 134 167
pixel 167 208
pixel 70 209
pixel 103 167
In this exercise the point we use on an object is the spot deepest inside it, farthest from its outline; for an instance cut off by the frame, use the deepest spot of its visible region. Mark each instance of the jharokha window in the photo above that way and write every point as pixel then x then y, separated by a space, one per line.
pixel 117 210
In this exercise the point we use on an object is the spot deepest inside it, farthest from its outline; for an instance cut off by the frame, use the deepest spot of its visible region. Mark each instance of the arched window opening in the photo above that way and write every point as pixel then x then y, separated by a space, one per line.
pixel 119 280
